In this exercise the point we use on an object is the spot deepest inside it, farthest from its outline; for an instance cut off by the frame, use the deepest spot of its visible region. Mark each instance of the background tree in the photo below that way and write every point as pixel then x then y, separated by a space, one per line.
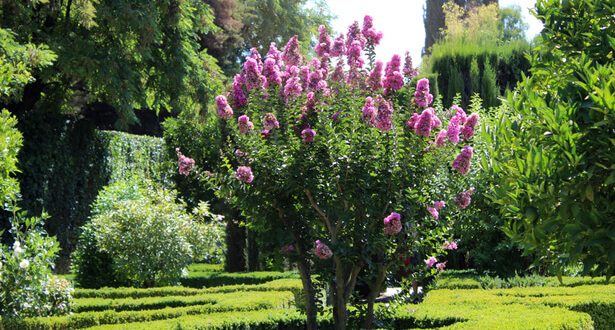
pixel 433 18
pixel 126 54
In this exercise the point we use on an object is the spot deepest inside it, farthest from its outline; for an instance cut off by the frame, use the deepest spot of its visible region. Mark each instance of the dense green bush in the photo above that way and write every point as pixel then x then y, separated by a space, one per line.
pixel 27 287
pixel 65 162
pixel 553 150
pixel 145 233
pixel 208 280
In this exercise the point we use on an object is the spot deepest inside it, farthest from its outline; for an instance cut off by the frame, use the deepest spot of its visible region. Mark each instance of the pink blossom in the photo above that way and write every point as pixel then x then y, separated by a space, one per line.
pixel 274 53
pixel 244 123
pixel 292 88
pixel 384 116
pixel 454 125
pixel 224 110
pixel 239 97
pixel 468 129
pixel 322 251
pixel 450 245
pixel 271 71
pixel 441 138
pixel 252 74
pixel 353 54
pixel 323 47
pixel 291 54
pixel 244 174
pixel 371 35
pixel 462 162
pixel 304 73
pixel 393 79
pixel 374 81
pixel 434 212
pixel 424 123
pixel 440 266
pixel 338 48
pixel 431 261
pixel 265 134
pixel 354 34
pixel 464 198
pixel 314 80
pixel 254 54
pixel 185 164
pixel 338 74
pixel 369 110
pixel 308 135
pixel 409 71
pixel 411 123
pixel 439 205
pixel 392 224
pixel 270 121
pixel 421 96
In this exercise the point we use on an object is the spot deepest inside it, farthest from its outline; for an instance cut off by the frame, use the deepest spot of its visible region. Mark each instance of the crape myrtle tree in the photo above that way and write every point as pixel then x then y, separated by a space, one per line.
pixel 343 171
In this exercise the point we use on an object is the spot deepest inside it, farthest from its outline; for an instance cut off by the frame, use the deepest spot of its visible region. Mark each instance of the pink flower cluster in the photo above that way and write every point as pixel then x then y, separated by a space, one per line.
pixel 308 135
pixel 244 174
pixel 338 48
pixel 409 71
pixel 424 123
pixel 393 79
pixel 322 251
pixel 271 71
pixel 244 124
pixel 464 198
pixel 392 224
pixel 462 162
pixel 431 261
pixel 435 209
pixel 291 54
pixel 270 122
pixel 422 98
pixel 450 245
pixel 378 113
pixel 185 164
pixel 224 110
pixel 323 47
pixel 440 266
pixel 374 81
pixel 372 36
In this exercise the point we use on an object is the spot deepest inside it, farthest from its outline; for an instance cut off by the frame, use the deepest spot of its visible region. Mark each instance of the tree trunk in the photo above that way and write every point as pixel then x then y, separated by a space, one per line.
pixel 308 289
pixel 235 244
pixel 253 262
pixel 340 314
pixel 373 294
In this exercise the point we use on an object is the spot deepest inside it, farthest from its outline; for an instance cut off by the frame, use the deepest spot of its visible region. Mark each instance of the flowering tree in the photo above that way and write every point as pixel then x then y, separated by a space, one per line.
pixel 336 170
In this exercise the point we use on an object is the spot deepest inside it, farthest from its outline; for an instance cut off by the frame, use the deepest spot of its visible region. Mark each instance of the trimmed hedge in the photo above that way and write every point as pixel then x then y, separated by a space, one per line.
pixel 238 302
pixel 65 161
pixel 468 279
pixel 209 279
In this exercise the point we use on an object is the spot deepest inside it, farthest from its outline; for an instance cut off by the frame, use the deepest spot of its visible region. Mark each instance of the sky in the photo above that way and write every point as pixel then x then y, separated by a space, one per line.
pixel 401 21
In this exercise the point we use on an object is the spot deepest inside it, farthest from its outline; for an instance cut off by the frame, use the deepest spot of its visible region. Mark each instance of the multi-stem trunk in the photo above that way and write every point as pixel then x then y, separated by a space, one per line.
pixel 374 291
pixel 308 291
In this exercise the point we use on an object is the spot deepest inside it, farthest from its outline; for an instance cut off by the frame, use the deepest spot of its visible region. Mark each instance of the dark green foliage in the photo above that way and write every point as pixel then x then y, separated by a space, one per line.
pixel 65 161
pixel 489 71
pixel 552 147
pixel 128 54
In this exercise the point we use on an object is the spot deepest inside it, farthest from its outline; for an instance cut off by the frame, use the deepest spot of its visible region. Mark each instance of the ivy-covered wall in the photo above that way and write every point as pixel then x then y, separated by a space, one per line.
pixel 65 161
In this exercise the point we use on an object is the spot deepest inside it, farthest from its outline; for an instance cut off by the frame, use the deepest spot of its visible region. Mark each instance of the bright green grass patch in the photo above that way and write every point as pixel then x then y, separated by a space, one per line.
pixel 212 268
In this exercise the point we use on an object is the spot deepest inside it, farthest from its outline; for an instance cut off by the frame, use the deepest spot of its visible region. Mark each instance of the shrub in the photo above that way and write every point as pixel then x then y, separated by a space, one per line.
pixel 27 287
pixel 552 148
pixel 146 233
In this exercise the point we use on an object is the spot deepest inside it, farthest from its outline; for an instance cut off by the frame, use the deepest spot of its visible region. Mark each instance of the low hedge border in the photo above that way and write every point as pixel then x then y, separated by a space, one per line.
pixel 238 302
pixel 214 279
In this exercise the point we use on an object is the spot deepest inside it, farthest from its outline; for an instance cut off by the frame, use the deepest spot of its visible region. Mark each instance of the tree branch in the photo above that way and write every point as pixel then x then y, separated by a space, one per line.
pixel 320 212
